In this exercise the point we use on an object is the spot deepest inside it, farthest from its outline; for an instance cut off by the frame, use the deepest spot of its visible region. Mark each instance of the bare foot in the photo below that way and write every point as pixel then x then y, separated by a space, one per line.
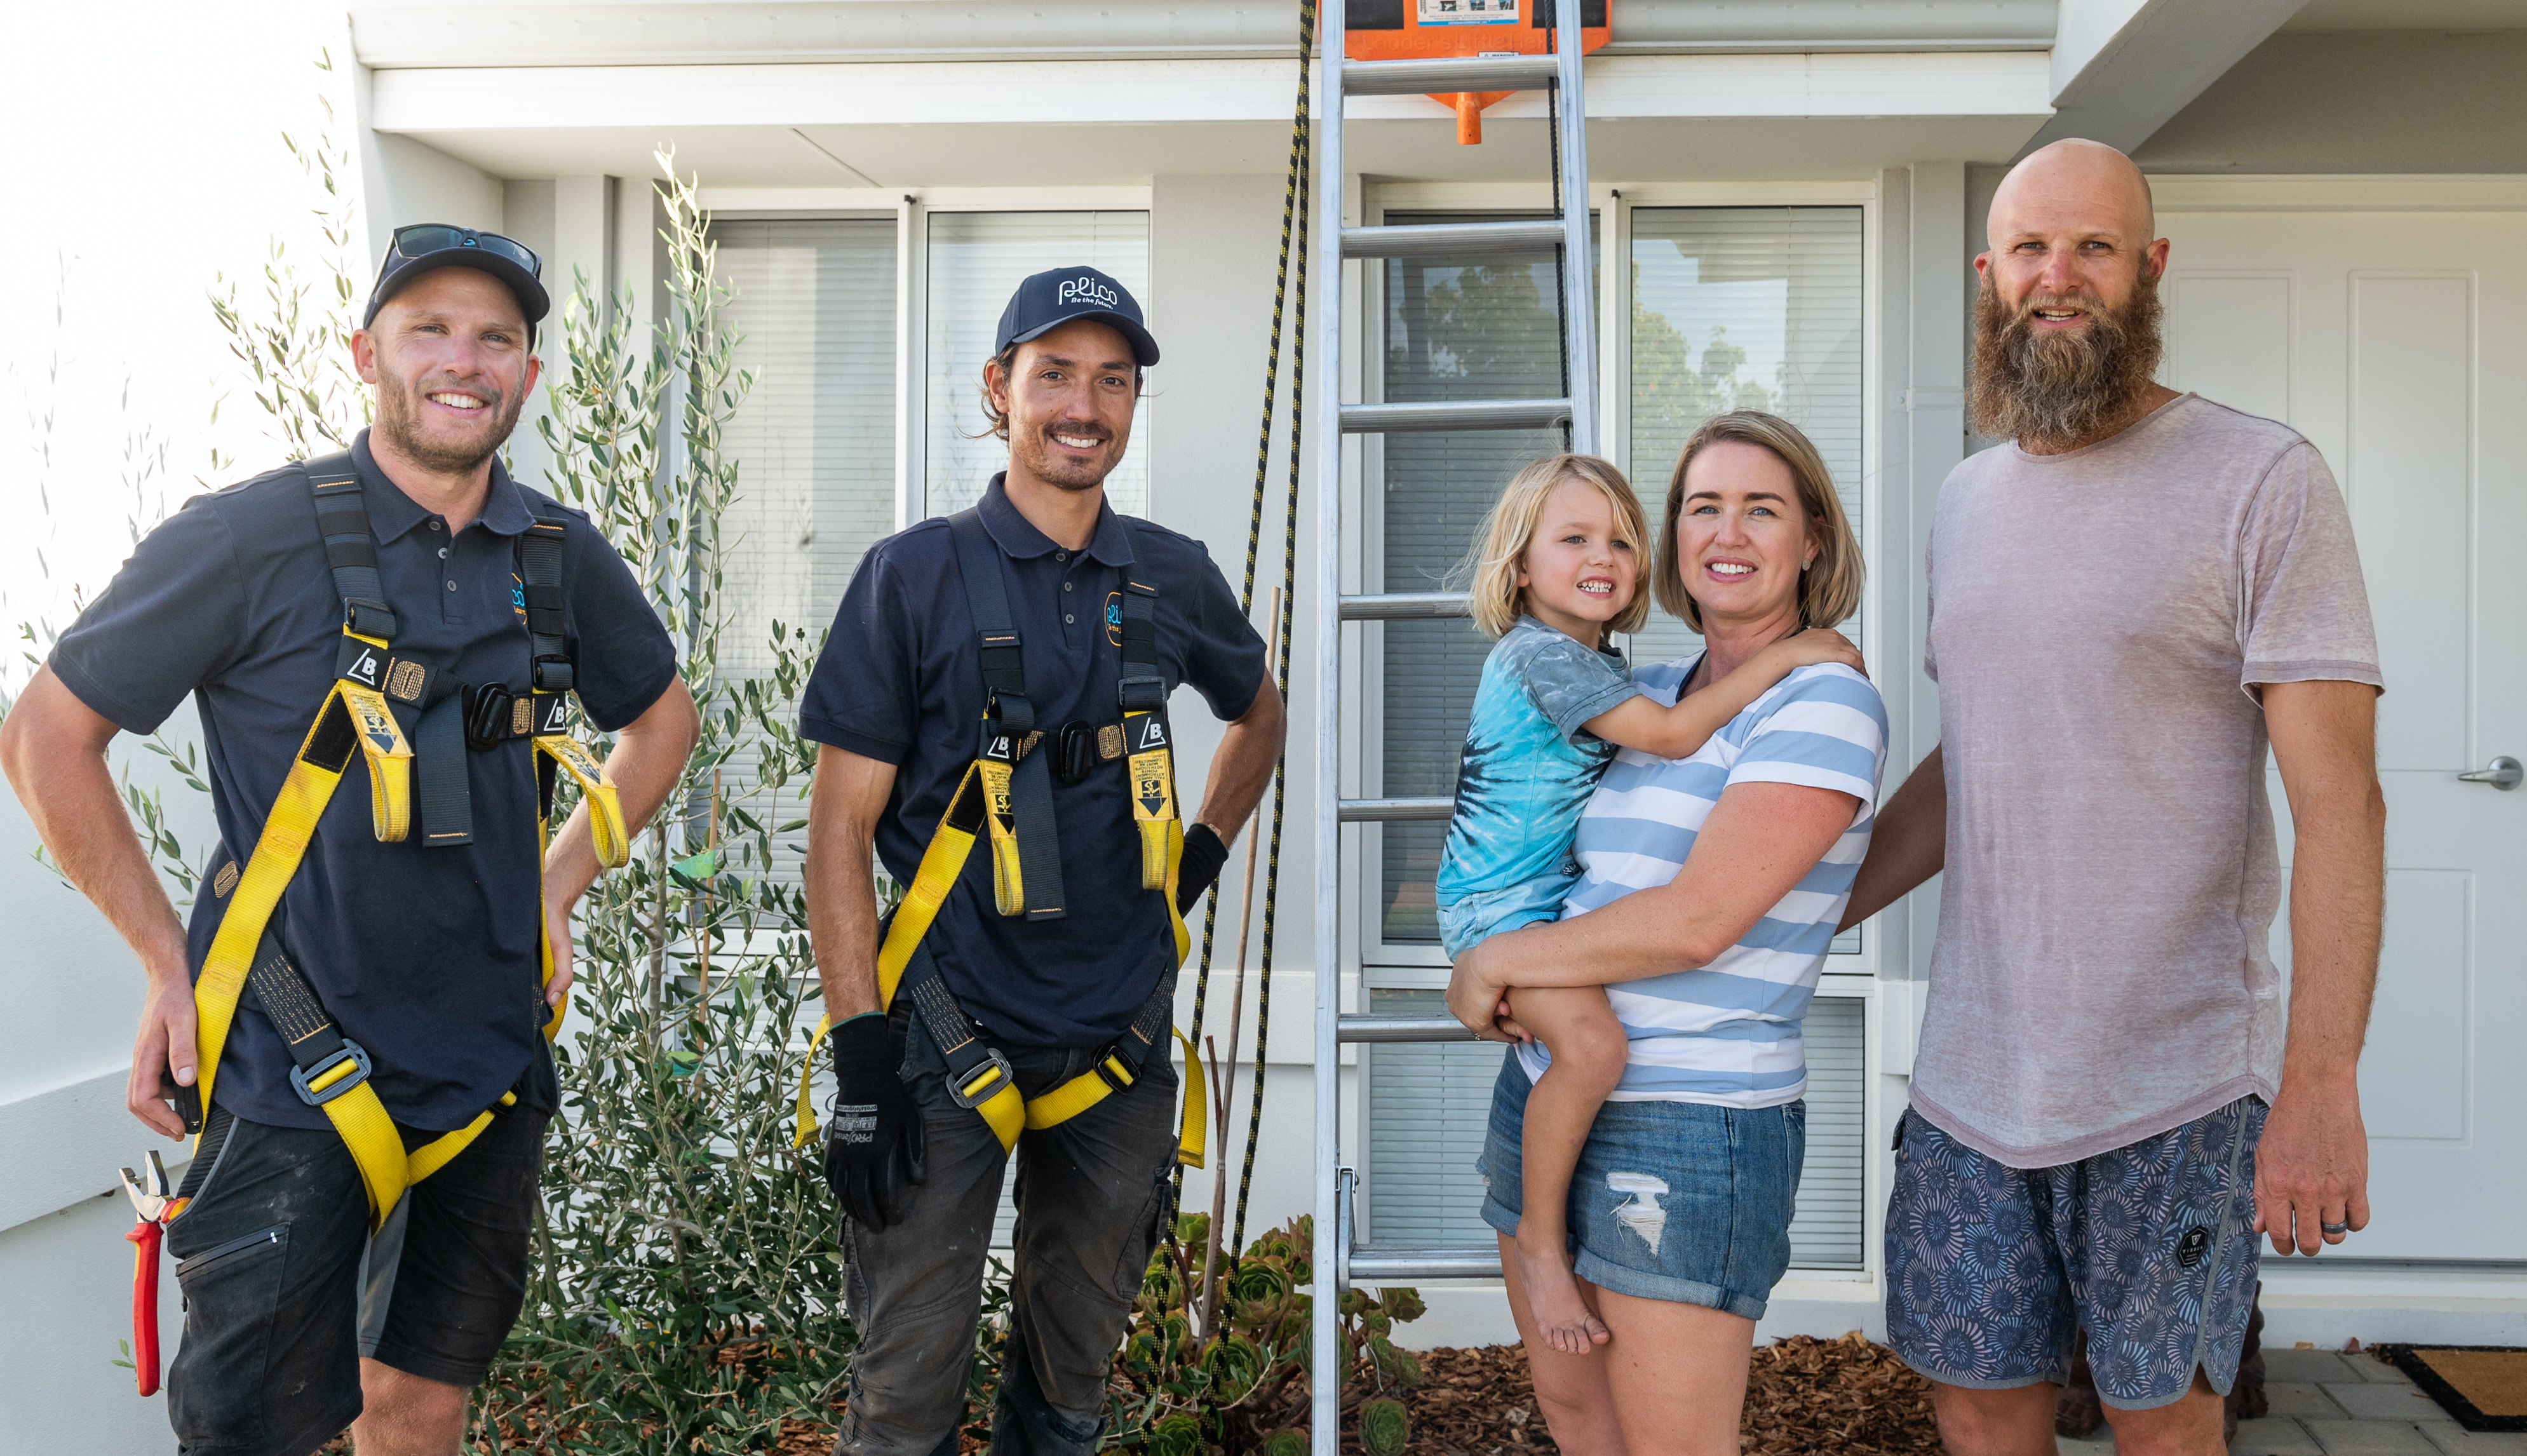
pixel 1562 1316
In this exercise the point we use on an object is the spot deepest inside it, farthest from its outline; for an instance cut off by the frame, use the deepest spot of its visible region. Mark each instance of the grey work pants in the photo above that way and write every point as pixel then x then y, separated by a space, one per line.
pixel 1091 1193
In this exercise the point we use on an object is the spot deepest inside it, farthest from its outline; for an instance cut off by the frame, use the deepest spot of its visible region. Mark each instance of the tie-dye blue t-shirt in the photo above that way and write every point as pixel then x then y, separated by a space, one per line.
pixel 1529 764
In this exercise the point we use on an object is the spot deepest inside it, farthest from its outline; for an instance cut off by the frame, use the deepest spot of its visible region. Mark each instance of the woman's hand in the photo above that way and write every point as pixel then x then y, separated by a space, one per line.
pixel 1478 1000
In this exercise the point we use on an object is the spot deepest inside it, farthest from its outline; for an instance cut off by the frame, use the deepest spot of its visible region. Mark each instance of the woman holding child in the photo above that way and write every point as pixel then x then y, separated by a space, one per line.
pixel 1694 827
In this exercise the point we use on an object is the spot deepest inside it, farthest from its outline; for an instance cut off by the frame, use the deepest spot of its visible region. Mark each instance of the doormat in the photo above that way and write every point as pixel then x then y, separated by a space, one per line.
pixel 2483 1386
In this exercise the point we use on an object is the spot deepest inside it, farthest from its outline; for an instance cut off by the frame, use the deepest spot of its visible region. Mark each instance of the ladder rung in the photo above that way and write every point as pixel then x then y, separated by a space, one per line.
pixel 1454 414
pixel 1407 606
pixel 1362 1028
pixel 1374 1266
pixel 1453 240
pixel 1449 74
pixel 1394 811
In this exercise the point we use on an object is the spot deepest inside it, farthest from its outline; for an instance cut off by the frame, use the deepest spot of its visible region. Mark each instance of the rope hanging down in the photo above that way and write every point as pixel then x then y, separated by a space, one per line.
pixel 1295 208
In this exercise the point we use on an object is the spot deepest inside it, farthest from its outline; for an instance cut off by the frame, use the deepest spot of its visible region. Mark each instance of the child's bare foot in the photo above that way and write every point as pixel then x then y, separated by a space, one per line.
pixel 1562 1316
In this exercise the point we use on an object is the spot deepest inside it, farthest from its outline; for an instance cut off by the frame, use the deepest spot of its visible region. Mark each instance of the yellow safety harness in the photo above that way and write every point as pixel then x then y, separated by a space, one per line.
pixel 359 716
pixel 1006 796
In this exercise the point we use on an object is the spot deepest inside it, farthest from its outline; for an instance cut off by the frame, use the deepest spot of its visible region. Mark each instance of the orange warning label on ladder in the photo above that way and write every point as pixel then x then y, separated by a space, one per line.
pixel 1427 29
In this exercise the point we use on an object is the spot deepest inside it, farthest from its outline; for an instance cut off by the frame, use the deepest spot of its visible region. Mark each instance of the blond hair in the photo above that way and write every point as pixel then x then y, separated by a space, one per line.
pixel 1491 572
pixel 1829 584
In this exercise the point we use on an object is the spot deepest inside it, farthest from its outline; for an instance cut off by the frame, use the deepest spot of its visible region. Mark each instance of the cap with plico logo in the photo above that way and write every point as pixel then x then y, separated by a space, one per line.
pixel 1048 300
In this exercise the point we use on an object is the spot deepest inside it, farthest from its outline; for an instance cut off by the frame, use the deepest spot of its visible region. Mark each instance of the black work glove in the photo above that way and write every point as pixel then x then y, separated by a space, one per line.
pixel 1198 865
pixel 873 1151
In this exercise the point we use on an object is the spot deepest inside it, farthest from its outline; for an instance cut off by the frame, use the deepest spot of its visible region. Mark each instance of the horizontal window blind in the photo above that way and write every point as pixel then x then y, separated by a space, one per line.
pixel 813 303
pixel 1429 1104
pixel 976 260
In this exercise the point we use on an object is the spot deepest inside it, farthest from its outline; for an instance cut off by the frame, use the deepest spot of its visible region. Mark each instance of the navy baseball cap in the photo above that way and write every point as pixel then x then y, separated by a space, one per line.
pixel 1048 300
pixel 418 247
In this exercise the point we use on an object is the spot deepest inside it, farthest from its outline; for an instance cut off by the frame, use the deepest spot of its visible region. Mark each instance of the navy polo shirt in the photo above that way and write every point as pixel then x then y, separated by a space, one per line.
pixel 426 956
pixel 899 682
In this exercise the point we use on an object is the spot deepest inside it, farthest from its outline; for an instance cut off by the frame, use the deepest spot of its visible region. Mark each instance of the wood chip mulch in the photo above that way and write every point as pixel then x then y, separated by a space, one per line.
pixel 1804 1397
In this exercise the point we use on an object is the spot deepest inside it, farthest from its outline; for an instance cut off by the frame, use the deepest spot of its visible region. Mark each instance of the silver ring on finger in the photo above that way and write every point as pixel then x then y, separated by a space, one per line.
pixel 2336 1228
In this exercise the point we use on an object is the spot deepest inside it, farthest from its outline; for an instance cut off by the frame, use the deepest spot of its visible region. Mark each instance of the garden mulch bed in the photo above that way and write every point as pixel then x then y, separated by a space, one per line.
pixel 1804 1397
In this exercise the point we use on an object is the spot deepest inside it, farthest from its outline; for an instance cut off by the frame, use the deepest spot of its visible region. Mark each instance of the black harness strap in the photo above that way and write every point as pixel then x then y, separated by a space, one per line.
pixel 1008 716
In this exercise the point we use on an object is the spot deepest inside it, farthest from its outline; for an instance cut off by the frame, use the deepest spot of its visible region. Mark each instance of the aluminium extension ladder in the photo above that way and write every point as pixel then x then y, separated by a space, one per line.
pixel 1335 1180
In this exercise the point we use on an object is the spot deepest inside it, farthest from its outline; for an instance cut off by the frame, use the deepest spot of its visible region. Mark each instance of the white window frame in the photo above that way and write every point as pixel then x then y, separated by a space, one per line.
pixel 912 209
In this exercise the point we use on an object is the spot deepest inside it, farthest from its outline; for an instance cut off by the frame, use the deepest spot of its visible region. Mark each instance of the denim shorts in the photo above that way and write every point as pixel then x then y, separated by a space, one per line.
pixel 1472 919
pixel 1681 1201
pixel 1991 1269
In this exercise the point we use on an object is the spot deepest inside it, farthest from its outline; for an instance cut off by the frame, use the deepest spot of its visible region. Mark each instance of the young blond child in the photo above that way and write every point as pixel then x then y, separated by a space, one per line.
pixel 1556 571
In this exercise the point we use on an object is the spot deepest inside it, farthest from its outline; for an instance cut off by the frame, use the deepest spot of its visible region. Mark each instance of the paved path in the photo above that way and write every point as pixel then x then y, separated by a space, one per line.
pixel 2325 1404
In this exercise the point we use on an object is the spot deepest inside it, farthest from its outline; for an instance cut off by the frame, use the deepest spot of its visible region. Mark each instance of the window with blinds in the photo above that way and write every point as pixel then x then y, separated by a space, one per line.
pixel 976 260
pixel 1428 1105
pixel 814 307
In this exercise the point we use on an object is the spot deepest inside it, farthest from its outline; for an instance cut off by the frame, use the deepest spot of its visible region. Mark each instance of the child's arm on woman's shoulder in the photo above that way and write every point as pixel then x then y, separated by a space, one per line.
pixel 1676 732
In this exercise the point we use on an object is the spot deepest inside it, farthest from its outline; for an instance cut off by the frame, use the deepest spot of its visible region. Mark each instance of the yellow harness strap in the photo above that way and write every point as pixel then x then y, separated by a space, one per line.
pixel 942 861
pixel 351 714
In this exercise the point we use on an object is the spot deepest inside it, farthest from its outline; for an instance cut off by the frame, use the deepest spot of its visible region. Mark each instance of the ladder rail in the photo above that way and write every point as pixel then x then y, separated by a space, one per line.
pixel 1325 1393
pixel 1337 1263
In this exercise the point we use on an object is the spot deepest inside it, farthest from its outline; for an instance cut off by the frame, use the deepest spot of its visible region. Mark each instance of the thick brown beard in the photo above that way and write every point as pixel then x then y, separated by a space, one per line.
pixel 2054 392
pixel 398 408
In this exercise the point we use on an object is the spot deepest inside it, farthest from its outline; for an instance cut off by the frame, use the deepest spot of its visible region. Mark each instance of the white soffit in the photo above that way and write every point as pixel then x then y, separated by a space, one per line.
pixel 396 36
pixel 2121 68
pixel 664 98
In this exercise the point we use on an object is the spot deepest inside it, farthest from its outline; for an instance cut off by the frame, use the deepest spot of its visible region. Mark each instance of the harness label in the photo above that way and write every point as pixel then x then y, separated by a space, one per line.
pixel 378 727
pixel 365 667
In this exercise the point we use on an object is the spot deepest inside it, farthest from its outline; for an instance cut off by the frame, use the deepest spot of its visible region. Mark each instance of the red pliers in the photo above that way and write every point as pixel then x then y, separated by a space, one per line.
pixel 155 1202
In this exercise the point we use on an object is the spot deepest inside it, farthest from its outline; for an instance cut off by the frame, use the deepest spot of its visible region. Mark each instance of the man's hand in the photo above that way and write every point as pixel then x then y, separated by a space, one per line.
pixel 1198 865
pixel 2313 1168
pixel 558 917
pixel 163 1054
pixel 873 1143
pixel 53 748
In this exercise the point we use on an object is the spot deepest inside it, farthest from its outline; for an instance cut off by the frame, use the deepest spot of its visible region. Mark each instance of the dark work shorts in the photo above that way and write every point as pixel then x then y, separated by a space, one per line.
pixel 285 1292
pixel 2151 1247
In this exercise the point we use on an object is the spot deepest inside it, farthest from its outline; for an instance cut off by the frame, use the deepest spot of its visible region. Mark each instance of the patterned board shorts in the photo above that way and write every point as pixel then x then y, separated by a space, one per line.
pixel 1991 1269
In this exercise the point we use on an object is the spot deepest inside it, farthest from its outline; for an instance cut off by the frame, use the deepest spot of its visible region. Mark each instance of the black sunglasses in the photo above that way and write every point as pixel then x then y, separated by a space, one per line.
pixel 421 238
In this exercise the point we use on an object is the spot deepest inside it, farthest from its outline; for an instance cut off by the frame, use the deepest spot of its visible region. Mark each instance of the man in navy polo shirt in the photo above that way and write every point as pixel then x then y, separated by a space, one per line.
pixel 426 955
pixel 897 701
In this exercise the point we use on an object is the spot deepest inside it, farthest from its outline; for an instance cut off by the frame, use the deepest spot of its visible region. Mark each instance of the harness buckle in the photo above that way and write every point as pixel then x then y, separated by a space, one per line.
pixel 554 673
pixel 1142 694
pixel 487 717
pixel 367 618
pixel 320 1084
pixel 973 1091
pixel 1110 1068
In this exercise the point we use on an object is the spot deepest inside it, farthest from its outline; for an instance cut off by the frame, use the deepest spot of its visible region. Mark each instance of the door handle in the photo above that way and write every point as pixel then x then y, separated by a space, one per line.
pixel 2504 772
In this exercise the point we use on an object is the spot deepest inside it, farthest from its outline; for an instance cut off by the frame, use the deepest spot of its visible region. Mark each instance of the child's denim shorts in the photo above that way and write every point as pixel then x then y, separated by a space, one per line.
pixel 1681 1201
pixel 1476 918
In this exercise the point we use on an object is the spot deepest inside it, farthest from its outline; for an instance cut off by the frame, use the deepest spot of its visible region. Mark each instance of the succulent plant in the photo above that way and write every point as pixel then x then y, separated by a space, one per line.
pixel 1384 1428
pixel 1289 1440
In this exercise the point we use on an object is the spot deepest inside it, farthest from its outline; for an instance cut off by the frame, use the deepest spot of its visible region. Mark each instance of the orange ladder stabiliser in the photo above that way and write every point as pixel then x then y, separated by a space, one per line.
pixel 1433 30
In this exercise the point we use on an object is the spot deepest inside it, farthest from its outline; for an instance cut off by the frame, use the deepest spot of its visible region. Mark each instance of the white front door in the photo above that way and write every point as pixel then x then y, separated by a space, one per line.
pixel 2398 344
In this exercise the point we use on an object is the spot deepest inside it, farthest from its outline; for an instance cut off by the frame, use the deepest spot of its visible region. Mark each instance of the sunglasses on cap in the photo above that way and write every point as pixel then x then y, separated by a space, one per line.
pixel 420 239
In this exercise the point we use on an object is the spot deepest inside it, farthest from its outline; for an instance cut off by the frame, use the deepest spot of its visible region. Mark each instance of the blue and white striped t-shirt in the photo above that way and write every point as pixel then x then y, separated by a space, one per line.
pixel 1728 1033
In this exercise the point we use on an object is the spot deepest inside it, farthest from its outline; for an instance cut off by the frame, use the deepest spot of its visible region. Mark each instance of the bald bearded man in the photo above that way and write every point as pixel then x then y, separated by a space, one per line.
pixel 2128 604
